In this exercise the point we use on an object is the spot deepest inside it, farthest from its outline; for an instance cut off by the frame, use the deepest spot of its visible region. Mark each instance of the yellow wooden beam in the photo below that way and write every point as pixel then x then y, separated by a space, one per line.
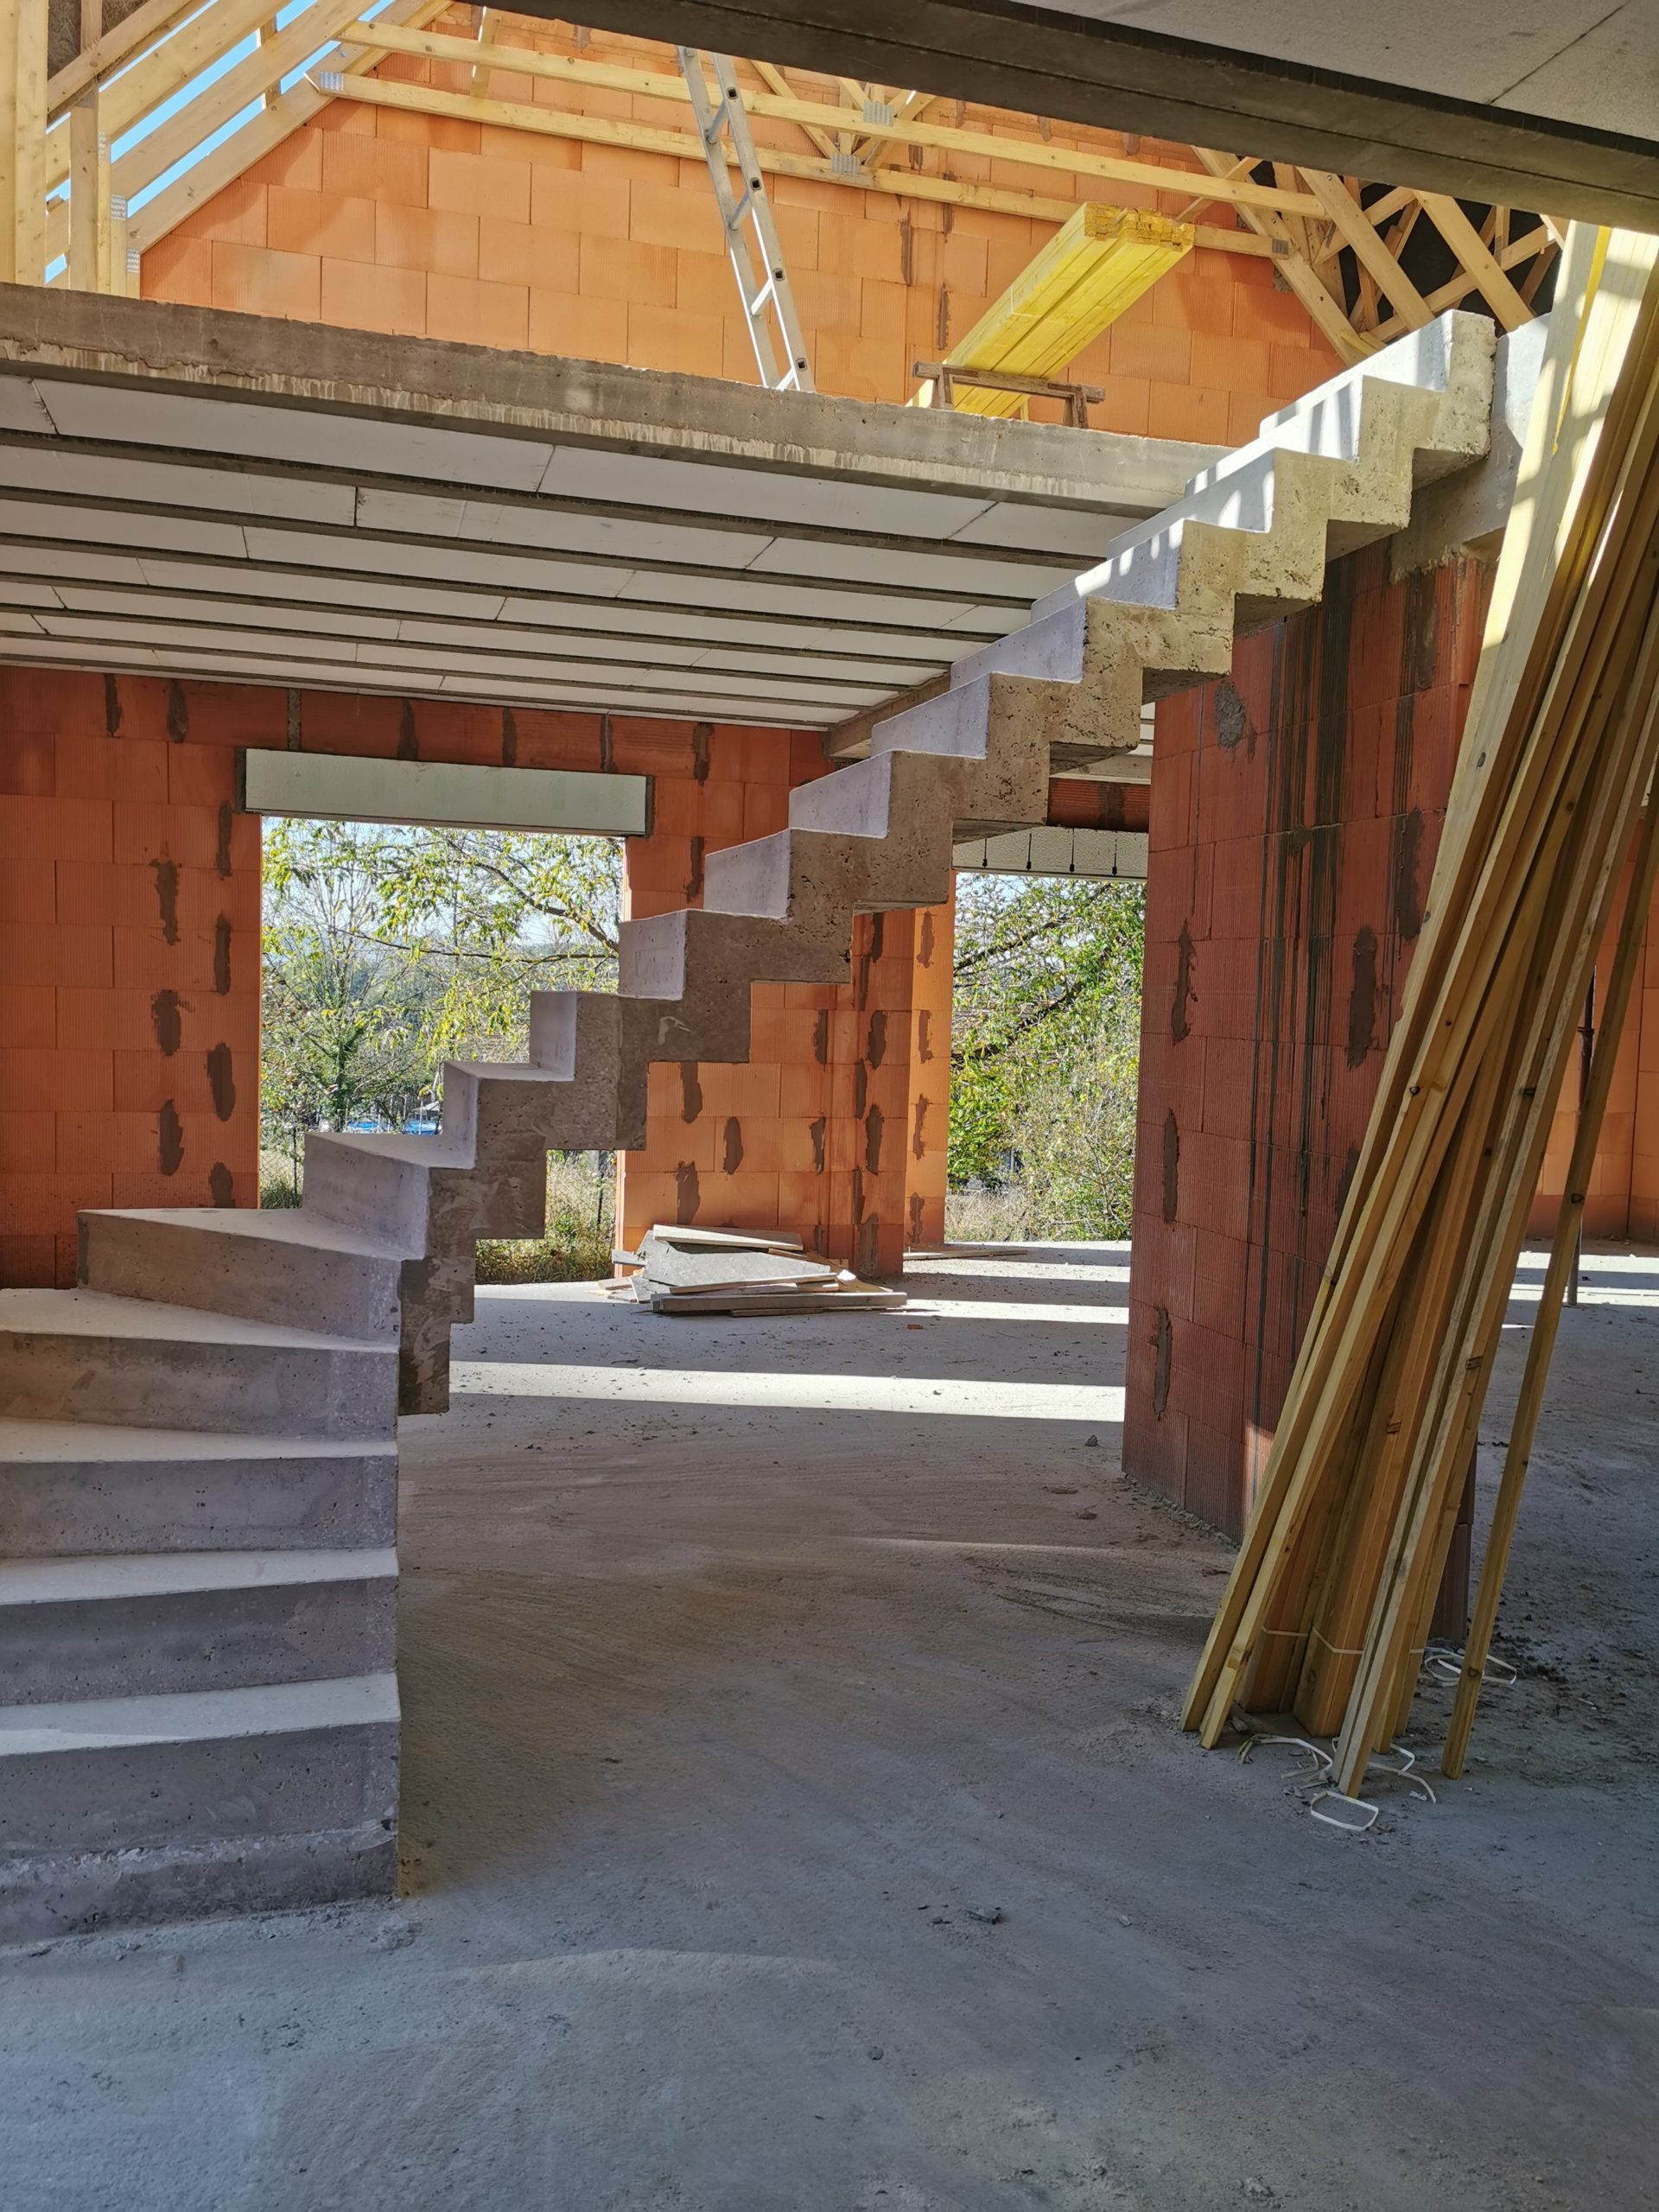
pixel 1097 265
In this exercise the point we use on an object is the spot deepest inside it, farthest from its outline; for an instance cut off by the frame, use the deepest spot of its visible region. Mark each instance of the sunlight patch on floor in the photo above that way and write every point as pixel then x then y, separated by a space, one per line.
pixel 839 1394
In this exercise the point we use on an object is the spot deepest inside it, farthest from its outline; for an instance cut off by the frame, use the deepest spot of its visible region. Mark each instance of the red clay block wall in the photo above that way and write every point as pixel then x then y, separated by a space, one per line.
pixel 835 1127
pixel 1296 808
pixel 129 959
pixel 440 228
pixel 130 914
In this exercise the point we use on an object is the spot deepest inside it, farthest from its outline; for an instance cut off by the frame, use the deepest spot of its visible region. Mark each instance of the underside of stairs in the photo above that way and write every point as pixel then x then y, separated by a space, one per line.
pixel 198 1476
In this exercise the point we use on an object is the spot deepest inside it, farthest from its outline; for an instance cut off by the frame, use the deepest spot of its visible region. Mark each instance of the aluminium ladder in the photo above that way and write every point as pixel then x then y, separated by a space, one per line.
pixel 756 257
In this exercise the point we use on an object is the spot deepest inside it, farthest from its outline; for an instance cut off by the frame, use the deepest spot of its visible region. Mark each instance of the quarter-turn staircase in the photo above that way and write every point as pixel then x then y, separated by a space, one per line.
pixel 197 1468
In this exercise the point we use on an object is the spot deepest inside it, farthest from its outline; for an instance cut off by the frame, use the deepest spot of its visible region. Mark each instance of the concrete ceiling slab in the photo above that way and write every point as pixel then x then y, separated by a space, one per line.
pixel 198 492
pixel 1548 106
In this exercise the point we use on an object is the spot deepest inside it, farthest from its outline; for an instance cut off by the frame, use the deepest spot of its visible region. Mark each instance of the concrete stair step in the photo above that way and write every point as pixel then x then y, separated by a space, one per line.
pixel 708 960
pixel 539 1106
pixel 74 1488
pixel 380 1184
pixel 286 1265
pixel 956 723
pixel 821 881
pixel 83 1355
pixel 166 1622
pixel 165 1807
pixel 1052 650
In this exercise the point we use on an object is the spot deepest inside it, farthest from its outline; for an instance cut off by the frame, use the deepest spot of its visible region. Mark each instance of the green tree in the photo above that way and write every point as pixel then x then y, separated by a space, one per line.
pixel 500 914
pixel 342 1018
pixel 1045 1047
pixel 389 950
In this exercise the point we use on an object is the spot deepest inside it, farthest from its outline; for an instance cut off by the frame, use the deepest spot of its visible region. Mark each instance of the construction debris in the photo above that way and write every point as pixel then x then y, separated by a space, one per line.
pixel 724 1271
pixel 1328 1608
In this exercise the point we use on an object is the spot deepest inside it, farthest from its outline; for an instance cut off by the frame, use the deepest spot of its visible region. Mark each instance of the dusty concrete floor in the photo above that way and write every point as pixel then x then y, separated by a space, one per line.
pixel 735 1714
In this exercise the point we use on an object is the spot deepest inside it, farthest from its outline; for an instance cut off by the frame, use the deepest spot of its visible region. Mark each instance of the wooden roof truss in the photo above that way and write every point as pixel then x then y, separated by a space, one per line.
pixel 124 127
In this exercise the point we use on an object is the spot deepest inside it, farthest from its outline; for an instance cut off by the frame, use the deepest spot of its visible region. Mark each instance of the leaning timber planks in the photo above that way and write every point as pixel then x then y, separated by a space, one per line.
pixel 1330 1597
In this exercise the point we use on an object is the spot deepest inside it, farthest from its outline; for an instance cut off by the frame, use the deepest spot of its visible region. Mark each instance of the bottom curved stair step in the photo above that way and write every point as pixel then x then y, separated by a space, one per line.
pixel 137 1808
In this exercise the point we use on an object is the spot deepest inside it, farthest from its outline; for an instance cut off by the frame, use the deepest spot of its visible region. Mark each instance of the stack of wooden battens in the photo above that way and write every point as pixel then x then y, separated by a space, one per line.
pixel 1328 1608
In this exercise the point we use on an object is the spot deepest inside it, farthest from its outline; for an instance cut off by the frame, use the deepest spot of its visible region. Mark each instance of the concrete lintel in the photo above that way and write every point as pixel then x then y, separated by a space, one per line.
pixel 1092 854
pixel 152 343
pixel 340 787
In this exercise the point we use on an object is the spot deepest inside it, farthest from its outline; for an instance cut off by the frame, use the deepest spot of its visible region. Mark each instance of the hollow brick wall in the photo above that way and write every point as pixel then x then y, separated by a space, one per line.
pixel 1296 808
pixel 432 226
pixel 835 1127
pixel 130 915
pixel 128 960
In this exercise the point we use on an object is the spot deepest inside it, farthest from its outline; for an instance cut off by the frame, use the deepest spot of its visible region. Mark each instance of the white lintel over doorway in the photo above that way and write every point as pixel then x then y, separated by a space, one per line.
pixel 437 794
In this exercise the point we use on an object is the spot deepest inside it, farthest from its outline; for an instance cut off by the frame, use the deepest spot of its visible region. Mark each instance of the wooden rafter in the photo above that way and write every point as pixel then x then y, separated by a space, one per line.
pixel 789 108
pixel 604 131
pixel 98 61
pixel 1465 241
pixel 1330 316
pixel 912 109
pixel 226 163
pixel 778 83
pixel 163 74
pixel 1349 223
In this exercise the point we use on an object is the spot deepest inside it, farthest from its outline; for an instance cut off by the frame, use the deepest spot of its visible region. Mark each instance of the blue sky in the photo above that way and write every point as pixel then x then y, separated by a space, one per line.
pixel 198 84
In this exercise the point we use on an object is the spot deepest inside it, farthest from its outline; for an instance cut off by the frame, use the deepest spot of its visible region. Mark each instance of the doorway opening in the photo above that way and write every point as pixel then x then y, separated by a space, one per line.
pixel 388 949
pixel 1044 1052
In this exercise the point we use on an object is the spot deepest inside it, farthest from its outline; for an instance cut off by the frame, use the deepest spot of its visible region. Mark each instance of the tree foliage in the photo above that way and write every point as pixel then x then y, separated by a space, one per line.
pixel 388 951
pixel 1045 1047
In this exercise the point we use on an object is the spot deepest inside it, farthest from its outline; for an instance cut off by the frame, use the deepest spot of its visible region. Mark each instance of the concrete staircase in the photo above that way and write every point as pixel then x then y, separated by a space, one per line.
pixel 197 1710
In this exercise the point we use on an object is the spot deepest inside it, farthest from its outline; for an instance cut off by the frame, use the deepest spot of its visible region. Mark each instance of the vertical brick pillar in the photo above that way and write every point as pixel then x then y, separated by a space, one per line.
pixel 713 1150
pixel 888 1105
pixel 929 1041
pixel 129 955
pixel 1296 809
pixel 835 1128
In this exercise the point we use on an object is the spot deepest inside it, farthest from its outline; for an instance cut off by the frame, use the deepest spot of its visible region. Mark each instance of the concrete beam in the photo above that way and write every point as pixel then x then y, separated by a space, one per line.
pixel 651 412
pixel 1573 134
pixel 1086 855
pixel 341 787
pixel 198 493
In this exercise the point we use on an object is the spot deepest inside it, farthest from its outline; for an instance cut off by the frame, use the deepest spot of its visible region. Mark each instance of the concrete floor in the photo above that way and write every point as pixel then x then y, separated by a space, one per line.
pixel 795 1818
